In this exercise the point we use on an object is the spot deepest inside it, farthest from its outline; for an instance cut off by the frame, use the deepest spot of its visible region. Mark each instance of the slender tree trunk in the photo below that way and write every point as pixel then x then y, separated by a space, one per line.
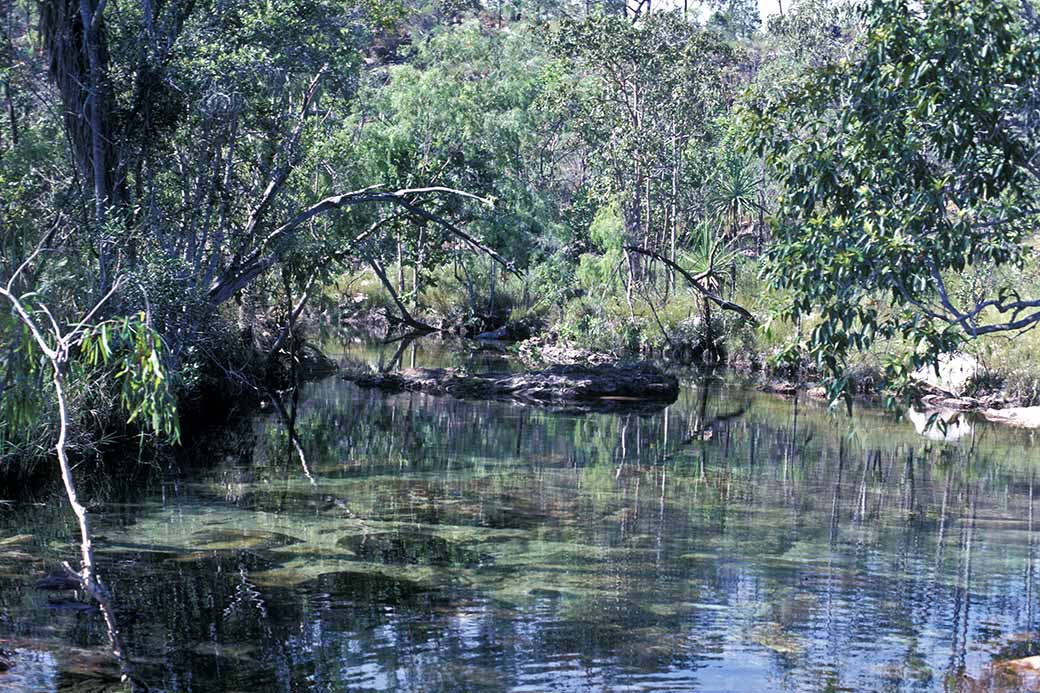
pixel 630 263
pixel 401 289
pixel 761 207
pixel 406 316
pixel 93 111
pixel 11 115
pixel 675 204
pixel 646 224
pixel 88 574
pixel 420 257
pixel 709 333
pixel 294 314
pixel 491 290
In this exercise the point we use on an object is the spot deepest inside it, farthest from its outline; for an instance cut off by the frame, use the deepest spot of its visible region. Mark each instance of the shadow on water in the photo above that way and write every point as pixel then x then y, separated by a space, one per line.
pixel 736 541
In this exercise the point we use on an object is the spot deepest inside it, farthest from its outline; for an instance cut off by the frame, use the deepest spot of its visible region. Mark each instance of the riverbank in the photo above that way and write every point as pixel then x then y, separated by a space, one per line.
pixel 995 395
pixel 549 319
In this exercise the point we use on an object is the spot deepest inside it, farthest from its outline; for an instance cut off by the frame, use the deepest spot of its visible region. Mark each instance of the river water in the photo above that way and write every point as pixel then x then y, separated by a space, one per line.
pixel 734 541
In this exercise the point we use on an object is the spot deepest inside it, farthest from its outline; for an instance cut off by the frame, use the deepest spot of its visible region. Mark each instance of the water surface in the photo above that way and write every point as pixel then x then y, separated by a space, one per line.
pixel 735 541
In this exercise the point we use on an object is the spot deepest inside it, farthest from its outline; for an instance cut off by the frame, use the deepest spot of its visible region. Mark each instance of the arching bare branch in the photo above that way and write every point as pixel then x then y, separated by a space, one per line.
pixel 695 282
pixel 262 257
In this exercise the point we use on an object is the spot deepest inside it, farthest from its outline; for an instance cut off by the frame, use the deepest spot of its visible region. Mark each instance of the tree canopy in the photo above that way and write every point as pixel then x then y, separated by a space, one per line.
pixel 903 170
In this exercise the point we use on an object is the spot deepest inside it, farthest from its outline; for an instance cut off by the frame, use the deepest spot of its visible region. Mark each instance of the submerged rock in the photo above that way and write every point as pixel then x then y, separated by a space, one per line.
pixel 410 547
pixel 772 636
pixel 357 587
pixel 16 540
pixel 239 539
pixel 599 388
pixel 53 665
pixel 58 582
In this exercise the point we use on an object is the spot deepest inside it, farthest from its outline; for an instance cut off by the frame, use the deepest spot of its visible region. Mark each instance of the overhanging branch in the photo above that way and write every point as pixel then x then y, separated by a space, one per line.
pixel 695 282
pixel 261 258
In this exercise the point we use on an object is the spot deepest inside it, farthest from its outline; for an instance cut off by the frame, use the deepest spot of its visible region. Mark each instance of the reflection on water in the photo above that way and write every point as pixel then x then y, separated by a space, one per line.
pixel 943 425
pixel 736 541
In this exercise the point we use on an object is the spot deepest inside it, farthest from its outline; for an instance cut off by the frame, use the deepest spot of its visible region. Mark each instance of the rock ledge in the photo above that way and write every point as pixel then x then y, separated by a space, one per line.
pixel 600 388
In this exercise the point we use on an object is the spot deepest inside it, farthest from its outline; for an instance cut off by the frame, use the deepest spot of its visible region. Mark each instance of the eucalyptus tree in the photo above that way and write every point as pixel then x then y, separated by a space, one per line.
pixel 463 113
pixel 196 130
pixel 904 167
pixel 644 99
pixel 737 18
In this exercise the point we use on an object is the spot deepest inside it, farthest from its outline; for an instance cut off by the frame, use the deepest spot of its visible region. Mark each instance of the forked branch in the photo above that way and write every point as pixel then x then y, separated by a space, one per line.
pixel 57 355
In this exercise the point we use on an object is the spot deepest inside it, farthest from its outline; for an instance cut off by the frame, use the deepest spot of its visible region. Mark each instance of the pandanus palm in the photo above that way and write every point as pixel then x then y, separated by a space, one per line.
pixel 734 193
pixel 708 251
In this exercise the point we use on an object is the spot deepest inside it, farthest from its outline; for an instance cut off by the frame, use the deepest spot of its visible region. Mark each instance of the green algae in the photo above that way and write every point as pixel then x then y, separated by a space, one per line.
pixel 773 637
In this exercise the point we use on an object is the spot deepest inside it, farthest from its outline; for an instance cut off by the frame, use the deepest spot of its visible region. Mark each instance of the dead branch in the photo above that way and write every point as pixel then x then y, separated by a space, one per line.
pixel 57 357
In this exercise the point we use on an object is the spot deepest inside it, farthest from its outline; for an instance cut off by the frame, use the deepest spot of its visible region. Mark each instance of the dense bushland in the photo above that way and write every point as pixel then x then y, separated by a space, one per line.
pixel 842 190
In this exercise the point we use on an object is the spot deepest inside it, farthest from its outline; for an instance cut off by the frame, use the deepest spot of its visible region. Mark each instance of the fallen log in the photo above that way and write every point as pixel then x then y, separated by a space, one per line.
pixel 571 387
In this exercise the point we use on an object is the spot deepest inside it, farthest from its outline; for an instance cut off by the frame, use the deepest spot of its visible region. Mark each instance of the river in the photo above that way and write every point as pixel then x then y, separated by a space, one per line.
pixel 734 541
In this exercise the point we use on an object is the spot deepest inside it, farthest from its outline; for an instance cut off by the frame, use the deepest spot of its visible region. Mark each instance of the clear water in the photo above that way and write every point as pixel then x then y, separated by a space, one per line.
pixel 736 541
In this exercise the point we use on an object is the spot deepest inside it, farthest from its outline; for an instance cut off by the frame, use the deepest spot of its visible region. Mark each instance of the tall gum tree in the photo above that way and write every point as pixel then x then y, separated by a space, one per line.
pixel 648 94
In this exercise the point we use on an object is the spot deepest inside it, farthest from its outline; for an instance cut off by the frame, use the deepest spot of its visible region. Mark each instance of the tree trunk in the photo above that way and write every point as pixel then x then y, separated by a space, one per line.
pixel 491 291
pixel 675 203
pixel 87 575
pixel 401 289
pixel 406 316
pixel 74 38
pixel 11 115
pixel 761 207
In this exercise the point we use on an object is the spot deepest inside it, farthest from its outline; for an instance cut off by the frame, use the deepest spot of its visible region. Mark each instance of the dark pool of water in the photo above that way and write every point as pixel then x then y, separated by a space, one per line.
pixel 736 541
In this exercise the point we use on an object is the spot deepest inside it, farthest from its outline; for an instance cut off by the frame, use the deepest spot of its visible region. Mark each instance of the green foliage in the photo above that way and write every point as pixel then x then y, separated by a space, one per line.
pixel 132 353
pixel 458 114
pixel 910 162
pixel 737 18
pixel 118 359
pixel 808 34
pixel 607 230
pixel 643 99
pixel 901 179
pixel 554 279
pixel 732 195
